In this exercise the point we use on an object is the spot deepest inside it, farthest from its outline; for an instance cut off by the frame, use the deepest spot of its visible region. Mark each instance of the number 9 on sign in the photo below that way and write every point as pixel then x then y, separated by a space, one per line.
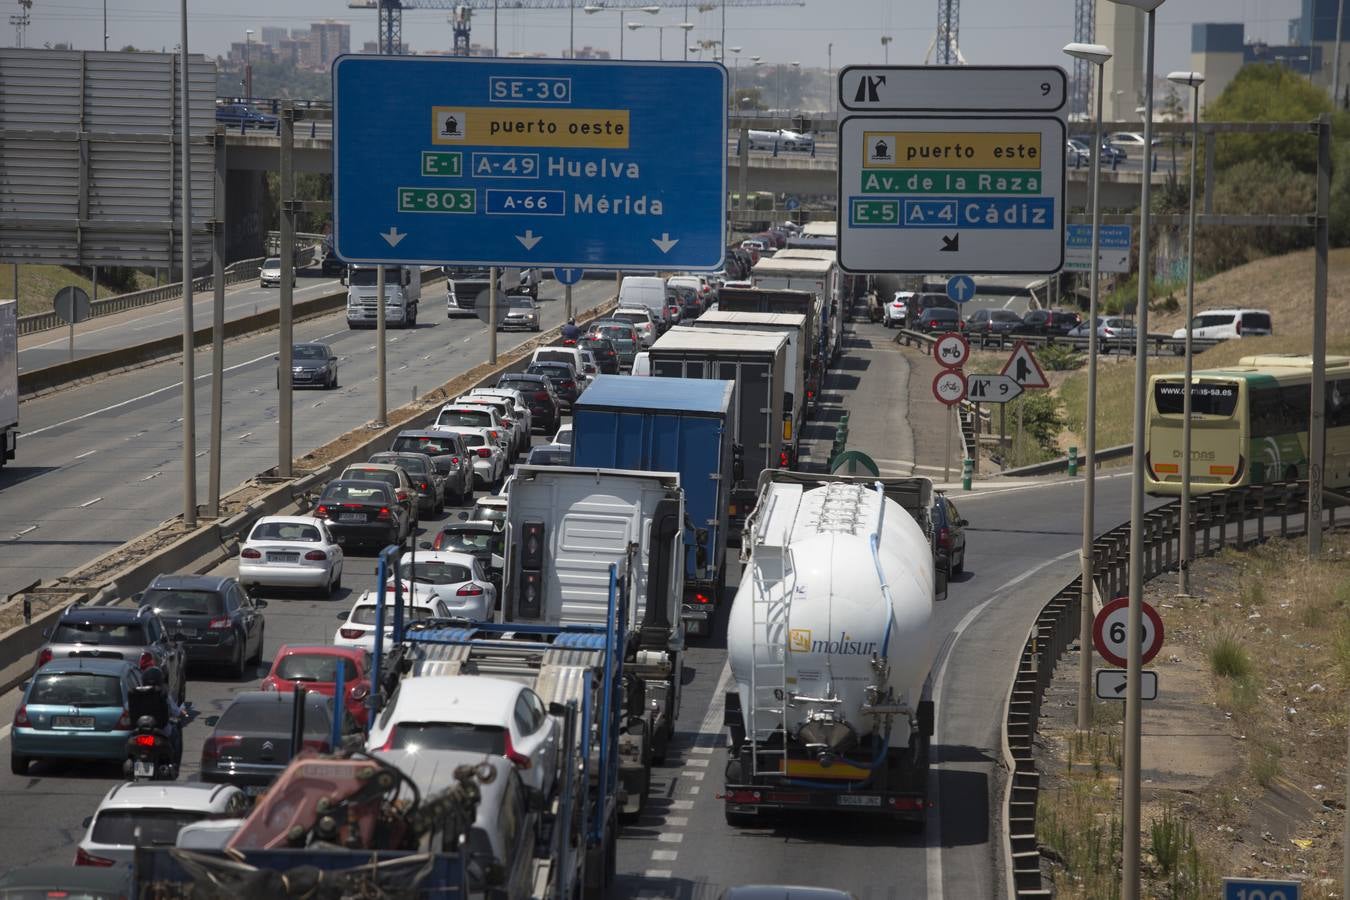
pixel 1111 627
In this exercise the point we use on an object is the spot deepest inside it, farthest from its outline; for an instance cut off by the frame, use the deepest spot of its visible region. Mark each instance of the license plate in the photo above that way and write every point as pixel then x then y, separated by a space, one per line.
pixel 254 790
pixel 187 632
pixel 351 517
pixel 144 768
pixel 283 557
pixel 857 800
pixel 72 721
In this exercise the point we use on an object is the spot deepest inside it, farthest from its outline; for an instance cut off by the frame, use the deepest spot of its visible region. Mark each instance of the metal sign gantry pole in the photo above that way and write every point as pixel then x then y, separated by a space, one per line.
pixel 287 256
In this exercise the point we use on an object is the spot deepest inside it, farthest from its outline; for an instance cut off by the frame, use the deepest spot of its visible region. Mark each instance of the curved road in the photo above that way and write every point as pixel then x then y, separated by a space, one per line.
pixel 1022 546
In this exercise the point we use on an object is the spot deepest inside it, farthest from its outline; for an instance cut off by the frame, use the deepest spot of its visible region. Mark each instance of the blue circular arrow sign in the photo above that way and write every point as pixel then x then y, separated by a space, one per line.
pixel 568 276
pixel 960 288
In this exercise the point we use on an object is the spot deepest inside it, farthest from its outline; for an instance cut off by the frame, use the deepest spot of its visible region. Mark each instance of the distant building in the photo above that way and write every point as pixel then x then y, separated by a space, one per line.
pixel 272 35
pixel 1219 51
pixel 331 39
pixel 1121 28
pixel 589 52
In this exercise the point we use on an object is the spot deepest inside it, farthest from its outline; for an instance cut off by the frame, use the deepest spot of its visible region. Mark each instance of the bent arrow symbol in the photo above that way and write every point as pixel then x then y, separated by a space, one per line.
pixel 529 239
pixel 951 244
pixel 665 242
pixel 392 236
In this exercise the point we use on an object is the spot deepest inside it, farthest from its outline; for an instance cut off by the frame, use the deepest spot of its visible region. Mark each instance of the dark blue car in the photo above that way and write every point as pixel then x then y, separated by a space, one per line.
pixel 244 117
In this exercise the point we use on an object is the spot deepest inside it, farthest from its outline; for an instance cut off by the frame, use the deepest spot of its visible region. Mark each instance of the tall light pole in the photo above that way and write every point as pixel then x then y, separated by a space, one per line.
pixel 1098 56
pixel 1193 80
pixel 248 65
pixel 105 25
pixel 735 67
pixel 1335 58
pixel 886 47
pixel 189 369
pixel 829 74
pixel 1134 624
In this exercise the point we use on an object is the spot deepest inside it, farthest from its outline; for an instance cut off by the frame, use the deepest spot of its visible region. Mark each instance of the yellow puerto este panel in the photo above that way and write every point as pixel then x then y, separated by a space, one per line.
pixel 478 126
pixel 951 150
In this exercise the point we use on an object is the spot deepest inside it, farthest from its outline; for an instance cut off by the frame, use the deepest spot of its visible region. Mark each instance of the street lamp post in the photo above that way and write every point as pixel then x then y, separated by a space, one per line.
pixel 1130 858
pixel 591 9
pixel 1098 56
pixel 829 74
pixel 248 65
pixel 1193 80
pixel 735 67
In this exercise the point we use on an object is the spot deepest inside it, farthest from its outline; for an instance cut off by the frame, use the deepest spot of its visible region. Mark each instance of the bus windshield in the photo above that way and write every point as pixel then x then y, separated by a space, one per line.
pixel 1210 398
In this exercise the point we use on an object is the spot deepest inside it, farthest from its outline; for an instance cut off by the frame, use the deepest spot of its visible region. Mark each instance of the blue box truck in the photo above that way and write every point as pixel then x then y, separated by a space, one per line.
pixel 676 425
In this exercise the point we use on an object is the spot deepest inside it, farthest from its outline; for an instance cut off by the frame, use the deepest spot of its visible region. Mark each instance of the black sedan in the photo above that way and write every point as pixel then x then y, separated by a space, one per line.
pixel 949 536
pixel 990 322
pixel 940 320
pixel 313 365
pixel 251 743
pixel 214 617
pixel 563 378
pixel 447 452
pixel 1049 322
pixel 244 117
pixel 545 407
pixel 361 513
pixel 606 354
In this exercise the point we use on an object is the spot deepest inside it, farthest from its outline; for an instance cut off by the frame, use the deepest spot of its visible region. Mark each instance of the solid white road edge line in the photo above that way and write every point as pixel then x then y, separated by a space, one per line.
pixel 933 827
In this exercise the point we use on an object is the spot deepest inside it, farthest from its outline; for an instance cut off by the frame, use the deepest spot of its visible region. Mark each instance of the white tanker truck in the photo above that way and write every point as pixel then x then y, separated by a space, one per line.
pixel 830 642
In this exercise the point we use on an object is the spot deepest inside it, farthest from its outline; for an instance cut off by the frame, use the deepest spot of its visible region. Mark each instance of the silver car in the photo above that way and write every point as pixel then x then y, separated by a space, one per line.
pixel 521 314
pixel 489 459
pixel 1112 332
pixel 270 273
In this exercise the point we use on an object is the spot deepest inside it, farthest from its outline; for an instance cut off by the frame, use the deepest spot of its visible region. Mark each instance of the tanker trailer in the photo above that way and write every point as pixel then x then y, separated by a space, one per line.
pixel 830 643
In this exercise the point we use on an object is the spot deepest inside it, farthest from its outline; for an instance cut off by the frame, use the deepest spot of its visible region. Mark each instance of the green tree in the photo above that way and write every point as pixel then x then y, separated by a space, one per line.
pixel 1268 93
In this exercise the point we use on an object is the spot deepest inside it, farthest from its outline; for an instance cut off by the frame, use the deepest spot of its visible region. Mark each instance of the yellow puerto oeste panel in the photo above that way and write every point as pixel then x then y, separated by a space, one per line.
pixel 951 150
pixel 601 129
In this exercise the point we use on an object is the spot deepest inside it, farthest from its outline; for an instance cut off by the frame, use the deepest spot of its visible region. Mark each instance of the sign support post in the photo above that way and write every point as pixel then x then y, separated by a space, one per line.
pixel 567 303
pixel 285 411
pixel 381 409
pixel 217 331
pixel 493 273
pixel 947 457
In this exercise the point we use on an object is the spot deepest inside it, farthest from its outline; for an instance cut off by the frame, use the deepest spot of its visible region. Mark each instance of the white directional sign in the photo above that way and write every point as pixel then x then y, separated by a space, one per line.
pixel 977 193
pixel 991 388
pixel 1111 684
pixel 1023 368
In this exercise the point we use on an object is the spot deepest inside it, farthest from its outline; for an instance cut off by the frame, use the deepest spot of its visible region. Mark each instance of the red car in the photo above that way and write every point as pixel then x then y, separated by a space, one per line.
pixel 315 666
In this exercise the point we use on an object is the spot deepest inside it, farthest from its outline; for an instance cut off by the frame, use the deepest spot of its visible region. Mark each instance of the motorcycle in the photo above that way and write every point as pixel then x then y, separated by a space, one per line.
pixel 149 753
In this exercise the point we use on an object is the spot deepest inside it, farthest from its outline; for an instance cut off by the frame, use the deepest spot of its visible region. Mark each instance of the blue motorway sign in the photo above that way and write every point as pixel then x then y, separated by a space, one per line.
pixel 960 288
pixel 568 276
pixel 1113 237
pixel 1260 889
pixel 529 162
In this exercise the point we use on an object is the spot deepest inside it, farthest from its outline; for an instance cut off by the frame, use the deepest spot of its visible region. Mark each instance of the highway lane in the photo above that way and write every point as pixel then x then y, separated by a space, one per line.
pixel 100 463
pixel 148 323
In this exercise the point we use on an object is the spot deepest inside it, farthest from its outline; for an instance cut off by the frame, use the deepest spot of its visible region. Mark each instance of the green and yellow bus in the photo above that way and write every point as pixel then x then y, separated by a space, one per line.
pixel 1249 425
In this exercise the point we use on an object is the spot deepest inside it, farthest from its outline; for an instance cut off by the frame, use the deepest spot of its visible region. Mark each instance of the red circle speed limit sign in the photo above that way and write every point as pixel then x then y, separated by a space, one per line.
pixel 949 386
pixel 951 350
pixel 1111 625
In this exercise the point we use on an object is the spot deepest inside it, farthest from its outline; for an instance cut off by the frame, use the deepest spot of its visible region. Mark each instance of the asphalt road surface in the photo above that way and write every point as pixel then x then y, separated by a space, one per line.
pixel 1021 547
pixel 101 463
pixel 139 326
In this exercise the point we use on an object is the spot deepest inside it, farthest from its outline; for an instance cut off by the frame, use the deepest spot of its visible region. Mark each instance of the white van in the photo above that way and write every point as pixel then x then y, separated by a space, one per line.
pixel 1225 324
pixel 572 355
pixel 645 290
pixel 642 364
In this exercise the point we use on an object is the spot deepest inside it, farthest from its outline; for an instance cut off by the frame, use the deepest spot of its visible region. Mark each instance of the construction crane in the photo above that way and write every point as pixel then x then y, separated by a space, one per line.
pixel 1084 32
pixel 391 13
pixel 944 45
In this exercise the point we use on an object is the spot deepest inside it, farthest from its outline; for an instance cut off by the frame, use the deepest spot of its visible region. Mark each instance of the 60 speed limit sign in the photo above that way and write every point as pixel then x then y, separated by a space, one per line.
pixel 1111 625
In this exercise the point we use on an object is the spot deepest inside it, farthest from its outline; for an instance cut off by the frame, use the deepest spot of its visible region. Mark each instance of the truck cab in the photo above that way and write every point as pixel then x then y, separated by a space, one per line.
pixel 402 292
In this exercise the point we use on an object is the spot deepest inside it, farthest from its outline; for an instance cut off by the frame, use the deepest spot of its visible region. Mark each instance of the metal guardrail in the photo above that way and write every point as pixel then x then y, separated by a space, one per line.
pixel 1241 511
pixel 235 273
pixel 1158 341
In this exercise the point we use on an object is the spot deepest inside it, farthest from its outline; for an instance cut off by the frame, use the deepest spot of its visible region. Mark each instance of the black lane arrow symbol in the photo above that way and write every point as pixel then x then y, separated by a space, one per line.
pixel 951 244
pixel 1120 688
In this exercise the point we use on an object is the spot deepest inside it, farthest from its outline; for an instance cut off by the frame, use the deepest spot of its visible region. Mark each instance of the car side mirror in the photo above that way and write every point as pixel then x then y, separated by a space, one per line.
pixel 463 515
pixel 342 617
pixel 424 545
pixel 46 633
pixel 556 709
pixel 332 359
pixel 24 687
pixel 277 357
pixel 260 603
pixel 211 721
pixel 962 522
pixel 88 820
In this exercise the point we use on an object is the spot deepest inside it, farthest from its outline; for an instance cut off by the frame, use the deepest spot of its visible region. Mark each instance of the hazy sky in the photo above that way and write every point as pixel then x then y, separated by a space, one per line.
pixel 992 31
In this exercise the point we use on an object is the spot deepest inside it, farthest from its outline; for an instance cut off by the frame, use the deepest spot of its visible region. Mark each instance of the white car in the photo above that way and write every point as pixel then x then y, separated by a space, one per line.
pixel 1129 140
pixel 896 313
pixel 520 407
pixel 643 320
pixel 453 577
pixel 358 625
pixel 269 274
pixel 468 415
pixel 291 552
pixel 564 435
pixel 518 429
pixel 489 459
pixel 489 509
pixel 159 809
pixel 1226 324
pixel 472 712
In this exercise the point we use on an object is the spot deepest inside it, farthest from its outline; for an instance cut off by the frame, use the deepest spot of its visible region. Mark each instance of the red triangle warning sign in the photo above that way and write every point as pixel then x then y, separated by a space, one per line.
pixel 1023 368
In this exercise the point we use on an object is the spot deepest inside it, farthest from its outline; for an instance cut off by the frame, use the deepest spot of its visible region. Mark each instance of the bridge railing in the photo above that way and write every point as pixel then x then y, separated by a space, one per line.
pixel 1237 518
pixel 1157 341
pixel 235 273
